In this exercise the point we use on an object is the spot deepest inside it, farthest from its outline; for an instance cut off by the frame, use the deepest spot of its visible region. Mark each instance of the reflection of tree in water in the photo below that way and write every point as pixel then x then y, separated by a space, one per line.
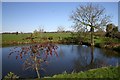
pixel 111 53
pixel 60 52
pixel 86 61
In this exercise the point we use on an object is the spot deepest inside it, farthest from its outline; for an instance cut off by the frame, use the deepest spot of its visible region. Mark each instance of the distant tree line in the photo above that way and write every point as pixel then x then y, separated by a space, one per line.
pixel 10 33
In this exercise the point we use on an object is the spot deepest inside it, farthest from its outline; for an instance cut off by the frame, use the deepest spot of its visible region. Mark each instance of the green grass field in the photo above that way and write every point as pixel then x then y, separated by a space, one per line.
pixel 105 72
pixel 11 39
pixel 20 38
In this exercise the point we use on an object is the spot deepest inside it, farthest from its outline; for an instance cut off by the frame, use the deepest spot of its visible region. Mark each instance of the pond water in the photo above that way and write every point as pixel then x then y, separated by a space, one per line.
pixel 70 58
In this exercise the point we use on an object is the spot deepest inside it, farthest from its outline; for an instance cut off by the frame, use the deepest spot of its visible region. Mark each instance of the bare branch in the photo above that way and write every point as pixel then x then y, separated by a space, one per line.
pixel 90 15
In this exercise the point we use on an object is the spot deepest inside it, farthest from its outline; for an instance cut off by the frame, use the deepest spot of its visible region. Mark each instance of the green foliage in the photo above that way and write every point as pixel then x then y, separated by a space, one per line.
pixel 109 27
pixel 11 76
pixel 107 42
pixel 105 72
pixel 111 30
pixel 115 29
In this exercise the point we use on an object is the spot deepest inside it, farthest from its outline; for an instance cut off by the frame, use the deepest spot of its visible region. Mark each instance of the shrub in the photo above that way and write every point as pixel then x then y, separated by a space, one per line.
pixel 11 76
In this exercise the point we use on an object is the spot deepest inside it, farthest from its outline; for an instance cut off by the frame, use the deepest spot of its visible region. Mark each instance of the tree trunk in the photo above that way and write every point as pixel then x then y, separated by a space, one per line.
pixel 92 55
pixel 92 36
pixel 36 68
pixel 37 72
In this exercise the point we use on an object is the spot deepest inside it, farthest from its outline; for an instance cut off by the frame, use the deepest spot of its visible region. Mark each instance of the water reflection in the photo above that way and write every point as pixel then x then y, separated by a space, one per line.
pixel 90 57
pixel 34 56
pixel 84 60
pixel 61 52
pixel 70 58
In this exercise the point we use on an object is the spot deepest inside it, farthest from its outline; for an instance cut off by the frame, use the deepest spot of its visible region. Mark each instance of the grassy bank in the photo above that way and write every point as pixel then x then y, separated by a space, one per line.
pixel 111 72
pixel 104 72
pixel 64 38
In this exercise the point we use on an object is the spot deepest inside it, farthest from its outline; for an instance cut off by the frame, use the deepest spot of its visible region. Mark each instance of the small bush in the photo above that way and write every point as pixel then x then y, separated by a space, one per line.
pixel 11 76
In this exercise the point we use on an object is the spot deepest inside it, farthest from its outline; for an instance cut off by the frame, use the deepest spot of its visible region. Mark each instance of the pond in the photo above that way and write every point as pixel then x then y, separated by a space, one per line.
pixel 71 58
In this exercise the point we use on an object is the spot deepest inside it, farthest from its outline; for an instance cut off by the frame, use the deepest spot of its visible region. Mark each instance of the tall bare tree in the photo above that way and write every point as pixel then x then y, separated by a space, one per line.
pixel 41 29
pixel 60 29
pixel 92 16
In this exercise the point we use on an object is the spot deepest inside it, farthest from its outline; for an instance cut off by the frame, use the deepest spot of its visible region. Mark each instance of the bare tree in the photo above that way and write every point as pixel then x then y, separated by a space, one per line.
pixel 60 29
pixel 35 31
pixel 77 27
pixel 91 16
pixel 35 55
pixel 41 29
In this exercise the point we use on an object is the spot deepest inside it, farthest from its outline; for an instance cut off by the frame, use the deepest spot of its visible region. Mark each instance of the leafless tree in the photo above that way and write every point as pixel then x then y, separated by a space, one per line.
pixel 92 16
pixel 60 29
pixel 41 29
